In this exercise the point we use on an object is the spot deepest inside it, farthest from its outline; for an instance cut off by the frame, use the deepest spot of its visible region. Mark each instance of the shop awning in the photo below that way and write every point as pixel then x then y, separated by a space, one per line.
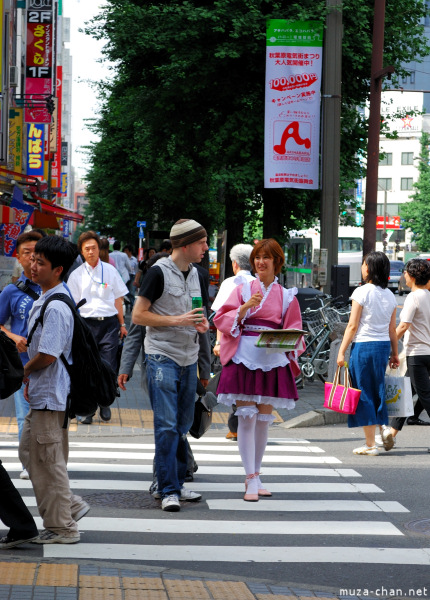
pixel 7 215
pixel 61 212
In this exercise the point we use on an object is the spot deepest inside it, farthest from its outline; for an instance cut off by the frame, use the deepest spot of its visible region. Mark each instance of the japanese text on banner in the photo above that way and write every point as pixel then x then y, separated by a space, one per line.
pixel 292 104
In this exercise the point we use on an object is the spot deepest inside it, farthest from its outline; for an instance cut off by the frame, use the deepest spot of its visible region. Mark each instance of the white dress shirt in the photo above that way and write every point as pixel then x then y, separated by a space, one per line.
pixel 100 286
pixel 227 287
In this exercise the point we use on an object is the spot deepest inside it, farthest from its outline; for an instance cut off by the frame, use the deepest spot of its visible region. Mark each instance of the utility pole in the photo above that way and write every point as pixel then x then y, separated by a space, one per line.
pixel 376 76
pixel 331 106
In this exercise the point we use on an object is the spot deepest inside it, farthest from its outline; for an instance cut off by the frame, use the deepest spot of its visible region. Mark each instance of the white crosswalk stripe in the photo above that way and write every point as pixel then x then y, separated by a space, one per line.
pixel 288 469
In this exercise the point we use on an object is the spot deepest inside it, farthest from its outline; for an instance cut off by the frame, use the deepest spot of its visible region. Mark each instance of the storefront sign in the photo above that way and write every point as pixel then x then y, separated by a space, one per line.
pixel 15 139
pixel 391 223
pixel 35 150
pixel 39 60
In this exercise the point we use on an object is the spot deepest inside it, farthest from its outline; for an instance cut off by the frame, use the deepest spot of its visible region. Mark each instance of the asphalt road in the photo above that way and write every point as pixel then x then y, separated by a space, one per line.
pixel 309 536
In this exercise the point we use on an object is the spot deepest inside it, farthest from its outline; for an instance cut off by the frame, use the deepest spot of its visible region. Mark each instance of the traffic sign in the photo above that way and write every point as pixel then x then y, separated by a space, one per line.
pixel 141 223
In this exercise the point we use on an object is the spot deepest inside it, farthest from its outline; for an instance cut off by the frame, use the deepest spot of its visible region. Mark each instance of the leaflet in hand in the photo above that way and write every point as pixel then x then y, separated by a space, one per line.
pixel 283 339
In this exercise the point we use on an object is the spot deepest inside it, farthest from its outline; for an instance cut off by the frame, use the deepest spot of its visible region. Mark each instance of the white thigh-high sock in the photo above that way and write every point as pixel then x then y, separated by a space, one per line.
pixel 261 435
pixel 247 418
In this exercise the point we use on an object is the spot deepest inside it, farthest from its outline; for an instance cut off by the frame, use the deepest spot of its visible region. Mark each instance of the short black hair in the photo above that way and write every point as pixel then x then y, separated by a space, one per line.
pixel 117 245
pixel 28 236
pixel 58 251
pixel 419 269
pixel 165 245
pixel 379 268
pixel 129 247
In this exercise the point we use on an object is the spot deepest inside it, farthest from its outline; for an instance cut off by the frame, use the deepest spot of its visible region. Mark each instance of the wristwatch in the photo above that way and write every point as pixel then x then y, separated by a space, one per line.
pixel 122 325
pixel 217 343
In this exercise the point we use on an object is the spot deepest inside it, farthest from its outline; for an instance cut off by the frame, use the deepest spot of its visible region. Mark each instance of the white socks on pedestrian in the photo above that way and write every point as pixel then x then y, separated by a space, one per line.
pixel 261 435
pixel 247 419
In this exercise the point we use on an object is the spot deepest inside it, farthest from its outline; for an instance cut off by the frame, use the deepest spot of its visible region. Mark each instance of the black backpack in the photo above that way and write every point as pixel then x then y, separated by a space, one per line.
pixel 11 369
pixel 93 382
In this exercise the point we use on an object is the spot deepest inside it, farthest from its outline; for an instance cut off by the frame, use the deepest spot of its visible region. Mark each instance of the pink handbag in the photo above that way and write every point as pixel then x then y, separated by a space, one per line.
pixel 341 398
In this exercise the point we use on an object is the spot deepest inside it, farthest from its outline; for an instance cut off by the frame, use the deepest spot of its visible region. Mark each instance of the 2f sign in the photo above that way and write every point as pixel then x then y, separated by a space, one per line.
pixel 39 16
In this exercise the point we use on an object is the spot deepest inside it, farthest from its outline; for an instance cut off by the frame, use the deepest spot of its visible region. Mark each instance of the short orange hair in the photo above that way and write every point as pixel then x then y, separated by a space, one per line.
pixel 272 248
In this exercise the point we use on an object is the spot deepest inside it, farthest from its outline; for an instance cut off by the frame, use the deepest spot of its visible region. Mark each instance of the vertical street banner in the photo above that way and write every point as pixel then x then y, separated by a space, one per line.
pixel 55 143
pixel 11 232
pixel 39 60
pixel 35 149
pixel 16 132
pixel 292 104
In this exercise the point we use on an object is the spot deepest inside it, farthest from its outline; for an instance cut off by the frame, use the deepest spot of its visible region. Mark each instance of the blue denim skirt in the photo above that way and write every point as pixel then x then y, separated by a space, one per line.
pixel 367 366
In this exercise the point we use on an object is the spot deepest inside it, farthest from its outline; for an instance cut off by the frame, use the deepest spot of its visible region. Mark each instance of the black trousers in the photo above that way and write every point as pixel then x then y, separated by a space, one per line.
pixel 106 333
pixel 419 372
pixel 13 511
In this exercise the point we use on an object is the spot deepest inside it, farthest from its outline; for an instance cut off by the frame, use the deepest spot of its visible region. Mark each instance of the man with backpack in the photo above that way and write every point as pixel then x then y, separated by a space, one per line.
pixel 16 301
pixel 44 442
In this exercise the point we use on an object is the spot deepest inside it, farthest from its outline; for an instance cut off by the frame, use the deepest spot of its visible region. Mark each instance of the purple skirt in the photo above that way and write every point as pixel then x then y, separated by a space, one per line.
pixel 276 387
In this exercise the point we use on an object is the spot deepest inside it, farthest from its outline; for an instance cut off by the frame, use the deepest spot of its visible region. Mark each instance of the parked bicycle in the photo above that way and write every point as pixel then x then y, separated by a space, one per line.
pixel 319 323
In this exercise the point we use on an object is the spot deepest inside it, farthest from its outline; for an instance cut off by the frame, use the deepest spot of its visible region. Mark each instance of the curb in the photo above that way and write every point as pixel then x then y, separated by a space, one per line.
pixel 315 418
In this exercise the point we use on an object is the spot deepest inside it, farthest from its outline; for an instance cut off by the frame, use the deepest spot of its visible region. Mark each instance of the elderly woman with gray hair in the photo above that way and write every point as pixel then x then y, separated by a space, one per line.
pixel 239 256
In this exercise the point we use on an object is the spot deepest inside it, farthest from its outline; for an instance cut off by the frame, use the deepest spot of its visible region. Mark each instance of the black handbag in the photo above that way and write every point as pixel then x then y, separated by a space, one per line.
pixel 202 415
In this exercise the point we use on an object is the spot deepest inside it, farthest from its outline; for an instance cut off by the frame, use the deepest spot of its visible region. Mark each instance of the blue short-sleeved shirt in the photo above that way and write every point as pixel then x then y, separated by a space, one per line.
pixel 16 305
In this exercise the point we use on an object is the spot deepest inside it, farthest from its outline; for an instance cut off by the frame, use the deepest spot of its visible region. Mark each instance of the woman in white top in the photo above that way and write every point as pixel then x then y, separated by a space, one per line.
pixel 415 326
pixel 372 331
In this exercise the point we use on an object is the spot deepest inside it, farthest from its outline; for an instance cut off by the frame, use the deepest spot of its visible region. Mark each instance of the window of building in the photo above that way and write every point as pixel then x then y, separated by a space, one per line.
pixel 384 183
pixel 406 183
pixel 392 209
pixel 387 160
pixel 412 77
pixel 407 158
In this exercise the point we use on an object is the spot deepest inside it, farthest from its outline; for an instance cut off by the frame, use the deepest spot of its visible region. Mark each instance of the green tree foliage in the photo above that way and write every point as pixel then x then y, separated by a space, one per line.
pixel 416 214
pixel 182 122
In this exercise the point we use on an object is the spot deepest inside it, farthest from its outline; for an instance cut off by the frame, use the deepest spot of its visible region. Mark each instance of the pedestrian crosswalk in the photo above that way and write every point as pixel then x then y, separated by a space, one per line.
pixel 320 512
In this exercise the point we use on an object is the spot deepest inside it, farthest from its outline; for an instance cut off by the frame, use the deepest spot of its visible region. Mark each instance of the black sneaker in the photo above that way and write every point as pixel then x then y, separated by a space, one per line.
pixel 9 542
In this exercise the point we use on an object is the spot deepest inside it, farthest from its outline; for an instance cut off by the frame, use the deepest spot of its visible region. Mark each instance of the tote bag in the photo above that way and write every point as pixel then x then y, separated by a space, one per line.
pixel 398 394
pixel 341 398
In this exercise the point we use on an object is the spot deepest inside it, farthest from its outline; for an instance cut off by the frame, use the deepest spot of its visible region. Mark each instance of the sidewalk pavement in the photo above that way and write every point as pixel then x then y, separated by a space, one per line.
pixel 43 579
pixel 131 413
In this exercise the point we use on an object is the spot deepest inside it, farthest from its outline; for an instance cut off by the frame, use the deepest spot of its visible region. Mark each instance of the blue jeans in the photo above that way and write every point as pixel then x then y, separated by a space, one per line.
pixel 21 408
pixel 172 391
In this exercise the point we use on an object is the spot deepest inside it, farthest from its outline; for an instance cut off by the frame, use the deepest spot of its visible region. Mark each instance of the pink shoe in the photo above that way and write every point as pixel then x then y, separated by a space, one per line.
pixel 251 479
pixel 261 490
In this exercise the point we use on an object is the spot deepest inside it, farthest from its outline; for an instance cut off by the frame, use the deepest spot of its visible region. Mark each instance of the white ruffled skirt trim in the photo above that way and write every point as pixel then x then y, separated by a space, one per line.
pixel 229 399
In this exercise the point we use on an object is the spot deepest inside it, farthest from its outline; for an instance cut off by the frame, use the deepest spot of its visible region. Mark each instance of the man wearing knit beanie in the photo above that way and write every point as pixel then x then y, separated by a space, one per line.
pixel 164 306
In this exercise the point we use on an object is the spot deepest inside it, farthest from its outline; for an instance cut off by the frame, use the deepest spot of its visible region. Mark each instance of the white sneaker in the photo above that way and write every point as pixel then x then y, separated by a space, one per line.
pixel 365 449
pixel 189 496
pixel 378 440
pixel 24 474
pixel 387 438
pixel 171 503
pixel 49 537
pixel 85 509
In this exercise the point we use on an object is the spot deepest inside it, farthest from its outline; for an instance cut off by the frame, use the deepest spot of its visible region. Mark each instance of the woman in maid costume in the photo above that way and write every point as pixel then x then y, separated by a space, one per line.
pixel 254 379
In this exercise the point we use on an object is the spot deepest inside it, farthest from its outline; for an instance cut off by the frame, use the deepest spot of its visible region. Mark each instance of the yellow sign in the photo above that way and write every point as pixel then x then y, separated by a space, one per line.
pixel 16 125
